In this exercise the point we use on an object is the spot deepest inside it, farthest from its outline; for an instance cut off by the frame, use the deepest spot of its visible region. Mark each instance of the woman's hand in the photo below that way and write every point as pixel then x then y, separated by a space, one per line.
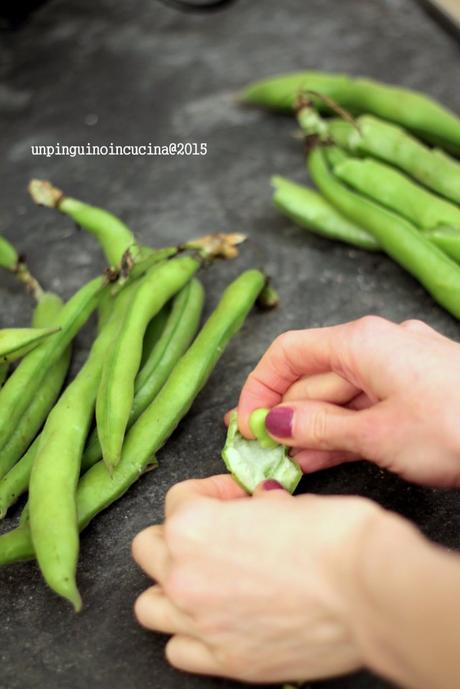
pixel 368 389
pixel 259 589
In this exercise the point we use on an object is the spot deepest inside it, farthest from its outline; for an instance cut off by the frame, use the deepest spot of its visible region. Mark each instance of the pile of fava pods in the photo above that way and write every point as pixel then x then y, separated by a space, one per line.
pixel 148 362
pixel 383 160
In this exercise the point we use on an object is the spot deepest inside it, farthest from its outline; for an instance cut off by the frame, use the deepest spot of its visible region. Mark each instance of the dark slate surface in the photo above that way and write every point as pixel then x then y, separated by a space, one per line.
pixel 134 72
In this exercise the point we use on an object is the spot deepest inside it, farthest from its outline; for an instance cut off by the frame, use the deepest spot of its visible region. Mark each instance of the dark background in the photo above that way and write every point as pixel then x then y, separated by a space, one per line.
pixel 131 72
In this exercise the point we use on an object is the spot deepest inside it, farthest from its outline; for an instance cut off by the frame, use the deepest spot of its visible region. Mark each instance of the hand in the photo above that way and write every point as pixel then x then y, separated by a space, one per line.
pixel 258 589
pixel 367 389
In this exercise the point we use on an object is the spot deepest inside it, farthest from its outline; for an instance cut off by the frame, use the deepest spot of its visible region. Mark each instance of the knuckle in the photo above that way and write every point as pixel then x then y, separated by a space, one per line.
pixel 318 426
pixel 140 608
pixel 140 542
pixel 416 325
pixel 369 325
pixel 180 589
pixel 186 526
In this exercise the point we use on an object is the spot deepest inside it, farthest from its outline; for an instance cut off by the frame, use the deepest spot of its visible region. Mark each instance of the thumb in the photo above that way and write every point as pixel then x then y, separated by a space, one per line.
pixel 322 426
pixel 272 488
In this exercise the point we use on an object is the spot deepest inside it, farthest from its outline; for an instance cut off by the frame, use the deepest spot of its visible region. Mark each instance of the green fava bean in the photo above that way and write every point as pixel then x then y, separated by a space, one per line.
pixel 16 482
pixel 17 342
pixel 399 193
pixel 112 234
pixel 116 392
pixel 439 274
pixel 411 109
pixel 21 387
pixel 154 331
pixel 45 314
pixel 250 462
pixel 433 168
pixel 258 429
pixel 311 211
pixel 447 239
pixel 97 489
pixel 9 258
pixel 56 468
pixel 182 323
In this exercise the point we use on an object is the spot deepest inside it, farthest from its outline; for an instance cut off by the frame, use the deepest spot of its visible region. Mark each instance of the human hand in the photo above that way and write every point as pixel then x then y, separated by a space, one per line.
pixel 259 589
pixel 367 389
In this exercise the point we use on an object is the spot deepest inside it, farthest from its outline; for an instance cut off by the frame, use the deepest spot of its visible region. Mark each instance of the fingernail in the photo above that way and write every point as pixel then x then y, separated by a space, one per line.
pixel 271 484
pixel 279 422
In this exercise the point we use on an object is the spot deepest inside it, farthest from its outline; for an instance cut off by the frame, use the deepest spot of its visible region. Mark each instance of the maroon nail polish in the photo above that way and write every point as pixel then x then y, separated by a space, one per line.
pixel 279 422
pixel 271 484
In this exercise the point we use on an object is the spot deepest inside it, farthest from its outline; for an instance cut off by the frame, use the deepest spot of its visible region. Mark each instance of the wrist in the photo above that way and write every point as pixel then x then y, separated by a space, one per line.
pixel 385 573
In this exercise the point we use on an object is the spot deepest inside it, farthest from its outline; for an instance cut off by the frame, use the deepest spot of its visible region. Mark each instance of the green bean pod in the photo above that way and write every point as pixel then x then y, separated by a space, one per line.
pixel 25 383
pixel 16 482
pixel 447 239
pixel 15 343
pixel 312 212
pixel 116 391
pixel 114 237
pixel 97 489
pixel 397 192
pixel 11 261
pixel 180 329
pixel 406 107
pixel 9 258
pixel 390 143
pixel 104 310
pixel 402 241
pixel 47 310
pixel 46 313
pixel 393 189
pixel 56 468
pixel 154 331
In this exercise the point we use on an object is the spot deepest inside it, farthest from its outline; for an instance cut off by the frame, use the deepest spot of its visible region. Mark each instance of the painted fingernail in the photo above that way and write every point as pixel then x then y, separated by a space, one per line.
pixel 271 484
pixel 279 422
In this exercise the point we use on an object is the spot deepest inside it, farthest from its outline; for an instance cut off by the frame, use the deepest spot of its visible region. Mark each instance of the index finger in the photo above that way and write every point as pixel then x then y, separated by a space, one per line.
pixel 291 356
pixel 220 487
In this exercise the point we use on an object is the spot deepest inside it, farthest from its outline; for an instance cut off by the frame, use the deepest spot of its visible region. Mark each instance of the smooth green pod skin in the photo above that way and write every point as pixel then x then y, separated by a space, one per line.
pixel 387 188
pixel 116 392
pixel 393 189
pixel 154 330
pixel 17 342
pixel 447 239
pixel 250 462
pixel 56 468
pixel 16 481
pixel 47 310
pixel 257 426
pixel 24 384
pixel 97 489
pixel 439 274
pixel 9 258
pixel 104 310
pixel 112 234
pixel 146 259
pixel 408 108
pixel 390 143
pixel 176 337
pixel 311 211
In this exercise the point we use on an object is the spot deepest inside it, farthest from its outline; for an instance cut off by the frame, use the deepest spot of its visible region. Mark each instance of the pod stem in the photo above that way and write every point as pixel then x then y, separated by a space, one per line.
pixel 218 245
pixel 24 276
pixel 45 194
